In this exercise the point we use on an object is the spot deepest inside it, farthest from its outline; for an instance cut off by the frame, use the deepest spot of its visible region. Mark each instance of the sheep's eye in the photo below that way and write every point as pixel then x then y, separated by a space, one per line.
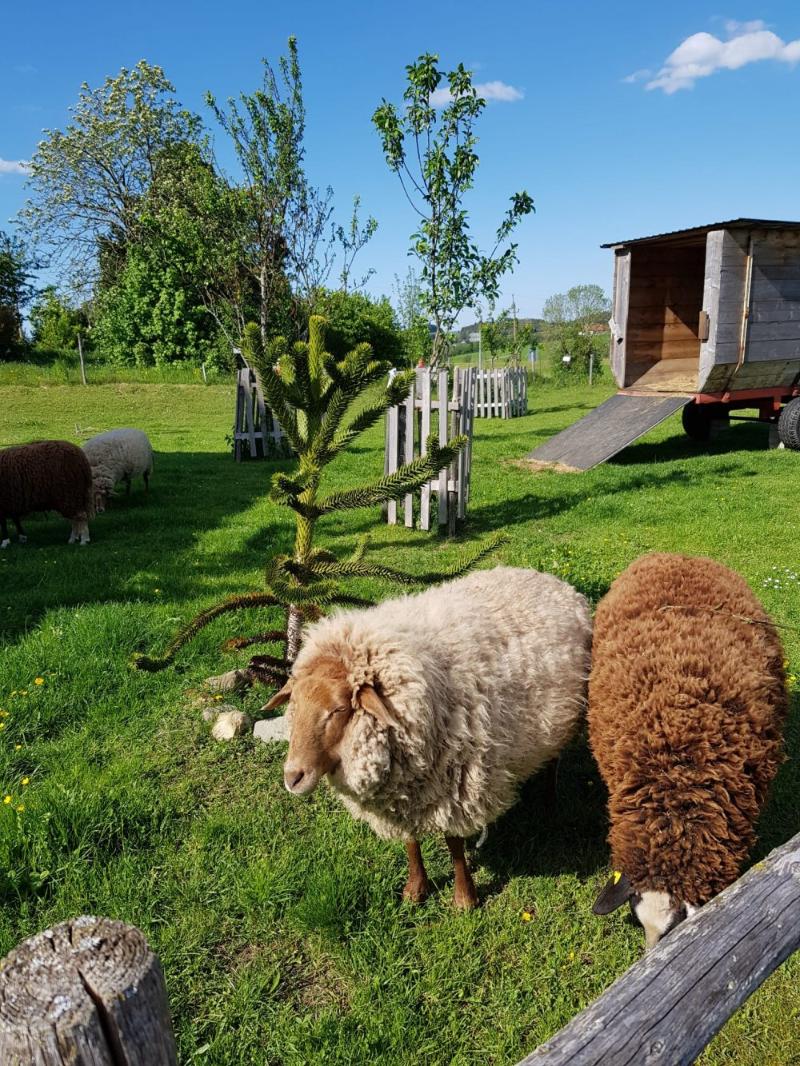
pixel 333 711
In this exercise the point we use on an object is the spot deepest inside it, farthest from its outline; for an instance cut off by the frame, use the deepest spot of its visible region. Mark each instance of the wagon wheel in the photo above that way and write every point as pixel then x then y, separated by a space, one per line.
pixel 789 425
pixel 697 418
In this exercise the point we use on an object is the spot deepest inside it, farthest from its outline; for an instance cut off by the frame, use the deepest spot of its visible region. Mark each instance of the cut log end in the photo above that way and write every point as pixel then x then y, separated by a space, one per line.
pixel 88 992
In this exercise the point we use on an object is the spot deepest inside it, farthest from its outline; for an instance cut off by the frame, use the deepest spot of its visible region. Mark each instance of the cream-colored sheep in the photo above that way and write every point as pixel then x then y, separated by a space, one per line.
pixel 428 712
pixel 118 455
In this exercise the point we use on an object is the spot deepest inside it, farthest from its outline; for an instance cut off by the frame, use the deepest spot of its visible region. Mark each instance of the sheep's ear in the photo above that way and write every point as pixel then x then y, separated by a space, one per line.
pixel 617 890
pixel 281 696
pixel 368 700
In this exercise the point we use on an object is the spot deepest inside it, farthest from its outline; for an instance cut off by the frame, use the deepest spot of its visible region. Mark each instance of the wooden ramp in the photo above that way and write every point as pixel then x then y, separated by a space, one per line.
pixel 607 430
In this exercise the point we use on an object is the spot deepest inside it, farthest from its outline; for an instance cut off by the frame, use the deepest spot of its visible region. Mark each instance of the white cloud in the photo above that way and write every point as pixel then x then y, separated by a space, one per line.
pixel 703 54
pixel 489 90
pixel 11 166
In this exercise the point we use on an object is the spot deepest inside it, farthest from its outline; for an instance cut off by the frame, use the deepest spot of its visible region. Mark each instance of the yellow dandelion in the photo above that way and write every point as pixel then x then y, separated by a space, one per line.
pixel 38 681
pixel 572 956
pixel 526 916
pixel 218 697
pixel 6 799
pixel 23 692
pixel 26 781
pixel 20 807
pixel 17 747
pixel 2 725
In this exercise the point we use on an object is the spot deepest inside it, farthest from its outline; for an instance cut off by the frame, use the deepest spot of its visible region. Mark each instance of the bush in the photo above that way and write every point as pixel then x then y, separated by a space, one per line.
pixel 353 318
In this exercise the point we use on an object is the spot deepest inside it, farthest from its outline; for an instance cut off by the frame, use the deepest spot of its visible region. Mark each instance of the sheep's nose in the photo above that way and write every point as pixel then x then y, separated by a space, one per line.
pixel 292 778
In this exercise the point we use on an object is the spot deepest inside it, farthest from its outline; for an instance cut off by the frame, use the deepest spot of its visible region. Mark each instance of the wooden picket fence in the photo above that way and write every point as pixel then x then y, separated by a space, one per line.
pixel 430 408
pixel 501 393
pixel 255 427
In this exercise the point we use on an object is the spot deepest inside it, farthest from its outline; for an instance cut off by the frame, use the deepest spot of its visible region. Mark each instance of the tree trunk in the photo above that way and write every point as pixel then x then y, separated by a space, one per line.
pixel 263 287
pixel 294 632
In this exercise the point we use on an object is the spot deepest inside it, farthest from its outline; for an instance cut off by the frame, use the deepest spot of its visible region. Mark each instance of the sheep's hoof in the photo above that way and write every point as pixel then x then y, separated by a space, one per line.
pixel 465 898
pixel 22 539
pixel 4 543
pixel 416 891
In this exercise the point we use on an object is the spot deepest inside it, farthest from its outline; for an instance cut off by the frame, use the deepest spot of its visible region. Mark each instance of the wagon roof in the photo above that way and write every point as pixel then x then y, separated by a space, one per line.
pixel 699 231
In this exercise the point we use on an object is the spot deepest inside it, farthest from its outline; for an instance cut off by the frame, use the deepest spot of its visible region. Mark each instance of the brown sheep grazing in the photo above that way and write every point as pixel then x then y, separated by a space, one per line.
pixel 48 475
pixel 687 699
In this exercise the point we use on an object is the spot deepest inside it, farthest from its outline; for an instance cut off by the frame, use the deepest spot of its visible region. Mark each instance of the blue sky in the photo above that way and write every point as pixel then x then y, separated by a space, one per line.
pixel 611 136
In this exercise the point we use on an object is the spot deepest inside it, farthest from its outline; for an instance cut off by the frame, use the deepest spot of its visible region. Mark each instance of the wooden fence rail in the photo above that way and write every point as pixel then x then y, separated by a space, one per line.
pixel 668 1006
pixel 88 992
pixel 408 427
pixel 501 393
pixel 255 427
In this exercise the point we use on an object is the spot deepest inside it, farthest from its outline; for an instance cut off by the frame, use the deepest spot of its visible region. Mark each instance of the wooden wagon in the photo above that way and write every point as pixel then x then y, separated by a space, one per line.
pixel 706 320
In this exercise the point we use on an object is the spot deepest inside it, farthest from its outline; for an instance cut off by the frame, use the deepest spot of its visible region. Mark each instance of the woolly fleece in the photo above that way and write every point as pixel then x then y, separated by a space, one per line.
pixel 486 677
pixel 116 455
pixel 686 709
pixel 47 475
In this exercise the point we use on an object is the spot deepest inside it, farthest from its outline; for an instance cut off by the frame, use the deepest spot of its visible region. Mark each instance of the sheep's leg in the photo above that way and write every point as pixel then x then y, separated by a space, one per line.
pixel 127 485
pixel 417 886
pixel 551 785
pixel 147 481
pixel 20 532
pixel 5 540
pixel 465 895
pixel 80 530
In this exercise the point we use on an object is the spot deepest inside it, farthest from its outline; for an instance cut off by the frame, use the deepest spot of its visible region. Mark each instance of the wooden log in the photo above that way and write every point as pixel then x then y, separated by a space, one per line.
pixel 88 992
pixel 669 1005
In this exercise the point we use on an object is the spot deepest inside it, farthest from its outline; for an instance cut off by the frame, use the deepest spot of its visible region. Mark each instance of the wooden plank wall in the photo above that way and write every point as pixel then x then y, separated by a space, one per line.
pixel 666 297
pixel 619 319
pixel 770 354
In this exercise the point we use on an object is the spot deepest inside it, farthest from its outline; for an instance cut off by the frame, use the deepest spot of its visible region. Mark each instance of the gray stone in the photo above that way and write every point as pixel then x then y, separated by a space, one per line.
pixel 230 724
pixel 232 681
pixel 212 711
pixel 271 730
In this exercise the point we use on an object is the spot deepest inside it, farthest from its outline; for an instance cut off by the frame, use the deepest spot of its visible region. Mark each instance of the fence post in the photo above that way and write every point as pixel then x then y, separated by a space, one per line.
pixel 80 356
pixel 88 992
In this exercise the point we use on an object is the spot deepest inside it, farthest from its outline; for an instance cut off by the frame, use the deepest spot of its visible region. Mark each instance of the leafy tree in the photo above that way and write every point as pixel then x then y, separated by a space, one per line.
pixel 567 318
pixel 180 290
pixel 312 393
pixel 16 290
pixel 87 182
pixel 266 128
pixel 410 304
pixel 582 304
pixel 496 335
pixel 352 240
pixel 433 154
pixel 55 324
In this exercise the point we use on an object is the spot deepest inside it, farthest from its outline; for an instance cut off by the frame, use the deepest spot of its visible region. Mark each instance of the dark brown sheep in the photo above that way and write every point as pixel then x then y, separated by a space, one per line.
pixel 48 475
pixel 687 699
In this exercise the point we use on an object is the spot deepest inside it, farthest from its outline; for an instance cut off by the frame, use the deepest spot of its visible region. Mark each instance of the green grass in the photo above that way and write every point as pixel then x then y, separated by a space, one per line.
pixel 65 370
pixel 278 921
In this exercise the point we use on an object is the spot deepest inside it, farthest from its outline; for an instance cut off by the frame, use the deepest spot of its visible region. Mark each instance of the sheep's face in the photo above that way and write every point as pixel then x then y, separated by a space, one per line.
pixel 101 490
pixel 324 712
pixel 656 912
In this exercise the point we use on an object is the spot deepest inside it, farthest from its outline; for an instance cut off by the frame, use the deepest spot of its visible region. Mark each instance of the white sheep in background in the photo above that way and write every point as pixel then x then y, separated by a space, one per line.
pixel 428 712
pixel 118 455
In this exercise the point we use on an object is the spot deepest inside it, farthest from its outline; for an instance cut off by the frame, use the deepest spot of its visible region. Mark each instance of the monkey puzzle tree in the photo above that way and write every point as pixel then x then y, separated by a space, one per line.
pixel 312 395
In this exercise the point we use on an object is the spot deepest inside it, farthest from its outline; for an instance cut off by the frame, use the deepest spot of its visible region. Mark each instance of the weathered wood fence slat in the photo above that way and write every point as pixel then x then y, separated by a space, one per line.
pixel 255 427
pixel 669 1005
pixel 408 427
pixel 88 992
pixel 501 393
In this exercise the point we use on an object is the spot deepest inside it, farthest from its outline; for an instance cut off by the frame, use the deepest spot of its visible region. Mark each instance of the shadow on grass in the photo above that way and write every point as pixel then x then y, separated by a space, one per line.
pixel 147 546
pixel 539 838
pixel 738 438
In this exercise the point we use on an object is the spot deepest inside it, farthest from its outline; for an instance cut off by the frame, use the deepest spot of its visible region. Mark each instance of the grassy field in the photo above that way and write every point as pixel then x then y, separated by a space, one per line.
pixel 278 921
